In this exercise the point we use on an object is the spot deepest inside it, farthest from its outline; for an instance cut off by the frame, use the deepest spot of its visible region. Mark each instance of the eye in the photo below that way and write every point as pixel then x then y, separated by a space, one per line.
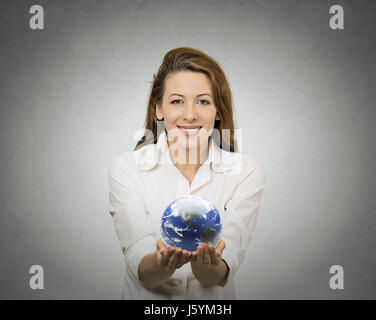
pixel 177 101
pixel 206 101
pixel 173 101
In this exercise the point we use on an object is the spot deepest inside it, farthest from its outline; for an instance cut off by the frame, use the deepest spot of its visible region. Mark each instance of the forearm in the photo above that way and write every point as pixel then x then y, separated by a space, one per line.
pixel 150 273
pixel 212 276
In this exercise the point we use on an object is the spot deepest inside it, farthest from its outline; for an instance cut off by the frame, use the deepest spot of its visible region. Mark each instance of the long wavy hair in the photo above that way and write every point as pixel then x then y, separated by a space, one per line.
pixel 183 59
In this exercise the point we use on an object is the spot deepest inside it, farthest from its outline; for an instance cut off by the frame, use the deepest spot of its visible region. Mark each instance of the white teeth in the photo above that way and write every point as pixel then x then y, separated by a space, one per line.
pixel 191 130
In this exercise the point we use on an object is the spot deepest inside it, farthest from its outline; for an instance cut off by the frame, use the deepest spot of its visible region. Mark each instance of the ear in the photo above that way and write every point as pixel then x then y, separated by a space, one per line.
pixel 159 113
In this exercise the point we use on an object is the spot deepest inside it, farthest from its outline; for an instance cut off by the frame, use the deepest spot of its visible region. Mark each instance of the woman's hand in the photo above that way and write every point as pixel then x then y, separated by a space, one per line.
pixel 171 258
pixel 206 255
pixel 158 266
pixel 207 264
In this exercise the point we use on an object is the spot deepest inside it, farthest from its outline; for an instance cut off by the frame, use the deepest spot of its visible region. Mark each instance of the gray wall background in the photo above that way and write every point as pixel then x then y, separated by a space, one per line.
pixel 73 95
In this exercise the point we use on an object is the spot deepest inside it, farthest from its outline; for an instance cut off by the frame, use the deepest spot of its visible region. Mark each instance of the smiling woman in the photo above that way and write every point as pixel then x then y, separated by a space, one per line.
pixel 191 97
pixel 191 120
pixel 185 75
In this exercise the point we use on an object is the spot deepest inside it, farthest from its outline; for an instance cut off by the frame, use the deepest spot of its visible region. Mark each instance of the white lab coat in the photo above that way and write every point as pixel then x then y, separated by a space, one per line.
pixel 143 183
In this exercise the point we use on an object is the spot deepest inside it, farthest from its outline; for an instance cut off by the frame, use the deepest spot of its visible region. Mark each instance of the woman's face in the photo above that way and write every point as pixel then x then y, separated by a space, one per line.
pixel 188 103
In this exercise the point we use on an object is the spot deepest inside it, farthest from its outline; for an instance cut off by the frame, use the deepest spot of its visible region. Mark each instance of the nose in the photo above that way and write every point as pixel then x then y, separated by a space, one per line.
pixel 190 112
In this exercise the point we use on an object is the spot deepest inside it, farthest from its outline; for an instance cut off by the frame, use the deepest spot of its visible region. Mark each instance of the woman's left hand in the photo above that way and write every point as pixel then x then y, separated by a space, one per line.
pixel 206 255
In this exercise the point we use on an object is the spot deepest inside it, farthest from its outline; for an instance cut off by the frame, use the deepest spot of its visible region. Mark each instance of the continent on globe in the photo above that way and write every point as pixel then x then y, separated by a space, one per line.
pixel 189 221
pixel 208 235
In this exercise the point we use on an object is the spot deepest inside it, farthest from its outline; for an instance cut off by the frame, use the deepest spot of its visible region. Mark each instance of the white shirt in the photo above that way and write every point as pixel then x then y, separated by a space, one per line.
pixel 144 182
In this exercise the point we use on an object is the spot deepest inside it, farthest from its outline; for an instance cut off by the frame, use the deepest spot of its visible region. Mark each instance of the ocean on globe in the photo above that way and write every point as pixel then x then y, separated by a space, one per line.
pixel 189 221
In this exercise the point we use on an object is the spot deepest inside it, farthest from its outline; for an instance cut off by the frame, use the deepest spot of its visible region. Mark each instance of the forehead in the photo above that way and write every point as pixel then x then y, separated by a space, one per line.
pixel 187 82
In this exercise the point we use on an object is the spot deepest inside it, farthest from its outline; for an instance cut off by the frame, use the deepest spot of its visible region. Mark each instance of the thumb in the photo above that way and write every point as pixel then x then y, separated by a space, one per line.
pixel 161 246
pixel 220 247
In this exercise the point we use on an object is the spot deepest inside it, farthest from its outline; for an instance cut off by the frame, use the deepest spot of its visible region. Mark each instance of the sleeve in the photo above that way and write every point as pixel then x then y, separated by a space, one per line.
pixel 130 216
pixel 239 220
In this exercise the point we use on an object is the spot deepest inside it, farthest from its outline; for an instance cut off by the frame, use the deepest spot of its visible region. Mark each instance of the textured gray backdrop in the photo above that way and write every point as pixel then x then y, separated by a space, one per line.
pixel 72 96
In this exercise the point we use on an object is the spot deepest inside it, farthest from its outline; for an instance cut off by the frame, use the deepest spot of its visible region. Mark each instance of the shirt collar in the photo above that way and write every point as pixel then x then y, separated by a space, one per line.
pixel 219 159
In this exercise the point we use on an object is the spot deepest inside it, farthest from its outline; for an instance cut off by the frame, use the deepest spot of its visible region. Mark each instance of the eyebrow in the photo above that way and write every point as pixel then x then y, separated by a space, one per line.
pixel 176 94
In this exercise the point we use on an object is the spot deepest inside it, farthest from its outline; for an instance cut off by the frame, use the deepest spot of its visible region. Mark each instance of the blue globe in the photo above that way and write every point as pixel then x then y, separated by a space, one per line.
pixel 189 221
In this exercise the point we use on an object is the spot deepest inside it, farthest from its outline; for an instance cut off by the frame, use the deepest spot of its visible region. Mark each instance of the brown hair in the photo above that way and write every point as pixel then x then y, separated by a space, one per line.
pixel 183 59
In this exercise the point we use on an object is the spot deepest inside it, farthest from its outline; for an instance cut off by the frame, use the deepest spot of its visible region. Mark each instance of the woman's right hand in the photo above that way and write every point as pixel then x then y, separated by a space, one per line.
pixel 171 258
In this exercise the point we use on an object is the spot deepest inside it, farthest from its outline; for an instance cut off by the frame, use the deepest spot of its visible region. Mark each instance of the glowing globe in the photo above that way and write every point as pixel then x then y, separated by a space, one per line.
pixel 189 221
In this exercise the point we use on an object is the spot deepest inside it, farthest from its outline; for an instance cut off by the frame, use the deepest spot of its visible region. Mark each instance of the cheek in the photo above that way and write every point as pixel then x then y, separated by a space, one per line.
pixel 172 116
pixel 171 121
pixel 209 119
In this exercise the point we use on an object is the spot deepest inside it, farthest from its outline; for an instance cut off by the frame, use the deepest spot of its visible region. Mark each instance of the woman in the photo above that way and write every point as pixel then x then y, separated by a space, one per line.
pixel 188 147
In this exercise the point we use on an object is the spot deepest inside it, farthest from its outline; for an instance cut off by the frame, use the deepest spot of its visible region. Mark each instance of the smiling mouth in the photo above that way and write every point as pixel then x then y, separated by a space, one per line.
pixel 190 131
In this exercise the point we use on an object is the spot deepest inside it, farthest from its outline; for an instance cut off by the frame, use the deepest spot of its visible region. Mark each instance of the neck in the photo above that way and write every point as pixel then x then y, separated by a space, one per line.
pixel 189 157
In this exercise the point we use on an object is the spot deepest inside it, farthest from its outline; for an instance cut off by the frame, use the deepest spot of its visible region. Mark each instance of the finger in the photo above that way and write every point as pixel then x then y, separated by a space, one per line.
pixel 167 254
pixel 194 256
pixel 159 258
pixel 174 258
pixel 220 246
pixel 213 255
pixel 206 255
pixel 186 255
pixel 182 258
pixel 219 249
pixel 161 246
pixel 218 254
pixel 200 253
pixel 189 256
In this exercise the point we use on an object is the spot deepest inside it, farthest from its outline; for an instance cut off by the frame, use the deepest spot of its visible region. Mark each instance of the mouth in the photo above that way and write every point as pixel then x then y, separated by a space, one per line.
pixel 190 130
